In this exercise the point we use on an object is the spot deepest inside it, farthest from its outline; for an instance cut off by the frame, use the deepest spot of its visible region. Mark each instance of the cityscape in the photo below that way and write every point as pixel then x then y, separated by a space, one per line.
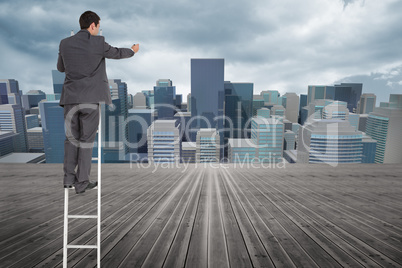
pixel 218 122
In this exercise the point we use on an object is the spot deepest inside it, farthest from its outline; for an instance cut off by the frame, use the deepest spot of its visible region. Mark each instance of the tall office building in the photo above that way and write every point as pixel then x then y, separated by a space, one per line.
pixel 32 98
pixel 118 90
pixel 10 92
pixel 349 93
pixel 207 146
pixel 58 81
pixel 140 101
pixel 52 116
pixel 264 113
pixel 12 118
pixel 149 94
pixel 366 104
pixel 139 121
pixel 164 98
pixel 238 109
pixel 290 101
pixel 31 121
pixel 268 135
pixel 335 110
pixel 271 97
pixel 258 103
pixel 278 110
pixel 164 141
pixel 329 141
pixel 242 151
pixel 35 140
pixel 289 140
pixel 188 151
pixel 207 92
pixel 346 92
pixel 7 141
pixel 189 102
pixel 369 150
pixel 385 126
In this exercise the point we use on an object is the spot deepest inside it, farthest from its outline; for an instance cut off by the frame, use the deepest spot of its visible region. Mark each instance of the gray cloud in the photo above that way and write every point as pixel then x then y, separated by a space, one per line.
pixel 282 45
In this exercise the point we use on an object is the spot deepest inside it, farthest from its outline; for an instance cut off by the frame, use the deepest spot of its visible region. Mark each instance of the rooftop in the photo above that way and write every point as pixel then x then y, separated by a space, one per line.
pixel 226 216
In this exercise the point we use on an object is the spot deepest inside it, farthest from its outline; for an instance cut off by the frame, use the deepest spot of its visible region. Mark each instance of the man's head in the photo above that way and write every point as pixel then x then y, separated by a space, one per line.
pixel 90 21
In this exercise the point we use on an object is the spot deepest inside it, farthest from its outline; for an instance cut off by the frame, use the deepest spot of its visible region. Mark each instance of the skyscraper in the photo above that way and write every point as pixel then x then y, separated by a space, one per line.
pixel 291 104
pixel 346 92
pixel 384 125
pixel 10 92
pixel 207 92
pixel 32 98
pixel 12 118
pixel 164 141
pixel 7 140
pixel 238 109
pixel 138 122
pixel 366 104
pixel 267 134
pixel 58 81
pixel 207 146
pixel 53 131
pixel 164 98
pixel 329 141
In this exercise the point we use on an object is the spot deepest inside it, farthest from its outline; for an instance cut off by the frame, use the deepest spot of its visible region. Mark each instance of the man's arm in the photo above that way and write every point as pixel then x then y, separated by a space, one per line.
pixel 60 64
pixel 111 52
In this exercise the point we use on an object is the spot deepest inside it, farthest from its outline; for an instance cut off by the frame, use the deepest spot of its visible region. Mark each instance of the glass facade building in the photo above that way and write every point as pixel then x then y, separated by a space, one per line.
pixel 58 81
pixel 268 135
pixel 329 141
pixel 164 143
pixel 53 131
pixel 207 146
pixel 12 118
pixel 238 108
pixel 207 92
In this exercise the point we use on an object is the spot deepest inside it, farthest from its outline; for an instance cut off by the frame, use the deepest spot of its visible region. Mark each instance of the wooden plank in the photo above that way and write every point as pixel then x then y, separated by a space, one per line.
pixel 165 239
pixel 258 255
pixel 237 252
pixel 168 209
pixel 197 254
pixel 217 246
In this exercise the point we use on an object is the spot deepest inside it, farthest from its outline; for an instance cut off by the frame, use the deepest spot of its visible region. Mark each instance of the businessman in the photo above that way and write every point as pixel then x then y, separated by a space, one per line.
pixel 82 58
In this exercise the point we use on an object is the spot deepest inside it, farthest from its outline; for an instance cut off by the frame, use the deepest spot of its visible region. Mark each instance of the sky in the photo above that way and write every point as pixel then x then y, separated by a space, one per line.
pixel 282 45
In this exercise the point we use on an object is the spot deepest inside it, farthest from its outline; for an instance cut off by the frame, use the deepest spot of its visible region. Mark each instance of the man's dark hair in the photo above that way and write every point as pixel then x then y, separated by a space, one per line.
pixel 87 18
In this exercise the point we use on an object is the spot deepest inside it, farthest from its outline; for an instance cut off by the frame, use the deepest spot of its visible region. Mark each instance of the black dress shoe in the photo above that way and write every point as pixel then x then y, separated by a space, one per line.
pixel 91 185
pixel 68 186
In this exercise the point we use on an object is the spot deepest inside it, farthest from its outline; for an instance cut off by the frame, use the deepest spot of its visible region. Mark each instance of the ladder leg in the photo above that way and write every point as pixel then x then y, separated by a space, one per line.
pixel 99 185
pixel 65 234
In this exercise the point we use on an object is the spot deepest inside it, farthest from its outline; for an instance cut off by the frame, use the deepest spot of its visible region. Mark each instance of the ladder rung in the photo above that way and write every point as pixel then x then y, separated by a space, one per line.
pixel 82 216
pixel 82 246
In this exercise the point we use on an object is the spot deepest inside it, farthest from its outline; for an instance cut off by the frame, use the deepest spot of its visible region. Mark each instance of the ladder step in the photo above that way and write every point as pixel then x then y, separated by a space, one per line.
pixel 82 246
pixel 82 216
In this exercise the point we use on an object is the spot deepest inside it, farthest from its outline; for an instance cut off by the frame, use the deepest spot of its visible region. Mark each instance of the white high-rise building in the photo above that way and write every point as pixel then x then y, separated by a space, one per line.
pixel 291 103
pixel 207 145
pixel 329 141
pixel 366 104
pixel 12 118
pixel 164 141
pixel 384 125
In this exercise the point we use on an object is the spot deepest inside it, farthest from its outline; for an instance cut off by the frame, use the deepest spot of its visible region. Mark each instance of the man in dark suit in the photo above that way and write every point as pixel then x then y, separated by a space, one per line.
pixel 82 58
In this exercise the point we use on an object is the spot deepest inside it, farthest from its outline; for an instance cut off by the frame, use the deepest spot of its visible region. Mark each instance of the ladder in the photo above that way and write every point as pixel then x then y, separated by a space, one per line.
pixel 66 246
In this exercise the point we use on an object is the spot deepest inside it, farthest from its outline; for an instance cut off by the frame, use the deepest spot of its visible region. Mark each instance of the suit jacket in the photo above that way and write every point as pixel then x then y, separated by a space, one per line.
pixel 82 58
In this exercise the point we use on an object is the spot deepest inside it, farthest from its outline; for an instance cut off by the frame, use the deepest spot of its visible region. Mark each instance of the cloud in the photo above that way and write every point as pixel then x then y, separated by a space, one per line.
pixel 284 45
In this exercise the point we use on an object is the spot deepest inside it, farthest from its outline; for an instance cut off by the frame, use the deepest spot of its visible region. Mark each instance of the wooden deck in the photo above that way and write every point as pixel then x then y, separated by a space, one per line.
pixel 300 216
